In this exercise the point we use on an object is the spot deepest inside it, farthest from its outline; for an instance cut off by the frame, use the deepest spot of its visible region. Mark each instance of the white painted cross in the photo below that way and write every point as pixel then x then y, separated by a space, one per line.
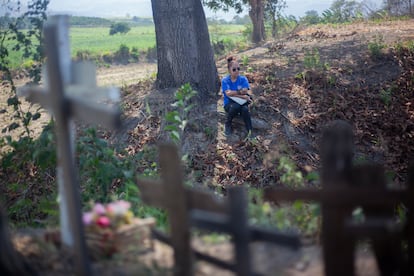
pixel 70 92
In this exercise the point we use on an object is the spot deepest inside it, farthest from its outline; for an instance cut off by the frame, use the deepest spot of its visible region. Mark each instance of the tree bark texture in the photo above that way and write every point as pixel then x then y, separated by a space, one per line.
pixel 256 14
pixel 184 52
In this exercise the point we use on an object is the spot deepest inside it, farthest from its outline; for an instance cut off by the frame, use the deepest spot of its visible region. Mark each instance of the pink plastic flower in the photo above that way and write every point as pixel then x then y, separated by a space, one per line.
pixel 118 208
pixel 99 209
pixel 103 221
pixel 87 218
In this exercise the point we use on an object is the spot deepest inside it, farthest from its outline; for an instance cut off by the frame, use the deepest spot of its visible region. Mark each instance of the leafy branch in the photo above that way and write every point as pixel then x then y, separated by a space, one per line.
pixel 177 119
pixel 24 35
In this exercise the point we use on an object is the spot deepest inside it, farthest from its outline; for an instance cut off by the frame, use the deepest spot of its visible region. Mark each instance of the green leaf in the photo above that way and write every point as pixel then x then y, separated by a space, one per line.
pixel 13 126
pixel 12 101
pixel 175 135
pixel 171 128
pixel 298 204
pixel 36 116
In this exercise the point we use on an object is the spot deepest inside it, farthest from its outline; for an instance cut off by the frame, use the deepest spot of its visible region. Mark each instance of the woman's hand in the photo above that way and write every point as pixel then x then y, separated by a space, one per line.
pixel 248 98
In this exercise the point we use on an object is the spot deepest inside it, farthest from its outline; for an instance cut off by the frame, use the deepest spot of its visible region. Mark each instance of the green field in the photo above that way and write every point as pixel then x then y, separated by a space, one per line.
pixel 97 41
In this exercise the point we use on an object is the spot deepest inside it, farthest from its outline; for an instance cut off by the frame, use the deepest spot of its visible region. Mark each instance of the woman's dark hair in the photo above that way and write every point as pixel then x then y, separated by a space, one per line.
pixel 230 60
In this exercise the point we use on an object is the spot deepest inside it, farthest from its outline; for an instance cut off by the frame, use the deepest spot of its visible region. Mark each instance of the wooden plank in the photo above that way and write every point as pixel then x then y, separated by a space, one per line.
pixel 409 270
pixel 206 201
pixel 210 221
pixel 95 113
pixel 176 205
pixel 62 39
pixel 283 239
pixel 338 248
pixel 151 192
pixel 337 151
pixel 241 233
pixel 339 196
pixel 373 228
pixel 65 157
pixel 214 261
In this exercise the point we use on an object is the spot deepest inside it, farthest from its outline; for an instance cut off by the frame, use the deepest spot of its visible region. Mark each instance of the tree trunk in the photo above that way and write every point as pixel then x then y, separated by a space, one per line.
pixel 274 28
pixel 256 14
pixel 184 51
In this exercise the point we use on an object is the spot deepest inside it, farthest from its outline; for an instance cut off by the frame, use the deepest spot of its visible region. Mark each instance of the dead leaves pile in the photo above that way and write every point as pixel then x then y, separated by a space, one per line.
pixel 382 115
pixel 225 165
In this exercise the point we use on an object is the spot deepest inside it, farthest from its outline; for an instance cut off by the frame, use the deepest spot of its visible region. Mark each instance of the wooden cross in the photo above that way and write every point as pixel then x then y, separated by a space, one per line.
pixel 345 187
pixel 189 207
pixel 70 93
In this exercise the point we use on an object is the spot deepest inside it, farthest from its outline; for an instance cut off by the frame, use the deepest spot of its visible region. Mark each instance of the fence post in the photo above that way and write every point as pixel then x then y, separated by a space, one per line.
pixel 410 221
pixel 239 223
pixel 336 153
pixel 176 205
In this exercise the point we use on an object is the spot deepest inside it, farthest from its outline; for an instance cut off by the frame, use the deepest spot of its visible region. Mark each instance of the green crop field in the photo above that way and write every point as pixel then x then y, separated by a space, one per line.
pixel 97 41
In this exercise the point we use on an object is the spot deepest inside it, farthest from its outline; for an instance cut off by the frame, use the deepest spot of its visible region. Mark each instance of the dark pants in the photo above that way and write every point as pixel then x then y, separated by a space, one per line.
pixel 233 109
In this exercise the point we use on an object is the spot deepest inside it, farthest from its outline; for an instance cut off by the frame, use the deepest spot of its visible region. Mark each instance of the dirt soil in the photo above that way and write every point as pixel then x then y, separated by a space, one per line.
pixel 293 102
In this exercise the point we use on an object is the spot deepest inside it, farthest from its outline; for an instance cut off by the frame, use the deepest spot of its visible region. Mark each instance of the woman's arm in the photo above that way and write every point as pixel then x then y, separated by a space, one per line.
pixel 239 94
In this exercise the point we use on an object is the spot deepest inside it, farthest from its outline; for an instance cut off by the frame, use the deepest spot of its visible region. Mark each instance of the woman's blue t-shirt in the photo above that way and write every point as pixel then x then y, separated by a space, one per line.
pixel 227 84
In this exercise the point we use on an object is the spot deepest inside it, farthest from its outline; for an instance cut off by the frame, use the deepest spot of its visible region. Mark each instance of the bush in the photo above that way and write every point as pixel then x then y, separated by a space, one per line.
pixel 134 53
pixel 27 164
pixel 119 27
pixel 375 47
pixel 122 55
pixel 83 55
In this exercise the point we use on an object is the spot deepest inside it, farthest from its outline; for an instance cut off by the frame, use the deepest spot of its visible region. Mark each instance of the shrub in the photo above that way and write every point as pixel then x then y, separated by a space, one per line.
pixel 375 47
pixel 134 53
pixel 83 55
pixel 122 54
pixel 119 27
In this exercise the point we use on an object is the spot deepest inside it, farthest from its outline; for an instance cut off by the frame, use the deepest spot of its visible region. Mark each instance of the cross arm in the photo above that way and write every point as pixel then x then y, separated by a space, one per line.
pixel 92 112
pixel 35 94
pixel 77 106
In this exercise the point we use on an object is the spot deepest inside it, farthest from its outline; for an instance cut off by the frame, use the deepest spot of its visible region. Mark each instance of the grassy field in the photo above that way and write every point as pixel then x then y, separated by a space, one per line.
pixel 98 42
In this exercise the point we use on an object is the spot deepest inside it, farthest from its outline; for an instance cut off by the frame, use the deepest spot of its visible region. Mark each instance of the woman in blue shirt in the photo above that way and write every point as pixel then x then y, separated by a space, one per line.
pixel 236 86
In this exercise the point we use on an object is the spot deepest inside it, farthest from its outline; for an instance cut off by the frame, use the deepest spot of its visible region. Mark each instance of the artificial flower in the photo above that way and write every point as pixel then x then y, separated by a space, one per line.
pixel 103 221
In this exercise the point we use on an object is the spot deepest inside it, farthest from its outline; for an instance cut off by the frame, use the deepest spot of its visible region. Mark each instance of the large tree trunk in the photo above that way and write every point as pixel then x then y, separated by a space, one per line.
pixel 184 51
pixel 256 14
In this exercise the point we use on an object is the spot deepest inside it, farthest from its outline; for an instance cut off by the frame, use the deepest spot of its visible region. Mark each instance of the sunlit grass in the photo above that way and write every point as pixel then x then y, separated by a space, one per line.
pixel 97 41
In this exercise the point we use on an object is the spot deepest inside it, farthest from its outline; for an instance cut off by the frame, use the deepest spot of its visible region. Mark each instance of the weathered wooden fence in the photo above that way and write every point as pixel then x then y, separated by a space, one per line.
pixel 188 208
pixel 346 187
